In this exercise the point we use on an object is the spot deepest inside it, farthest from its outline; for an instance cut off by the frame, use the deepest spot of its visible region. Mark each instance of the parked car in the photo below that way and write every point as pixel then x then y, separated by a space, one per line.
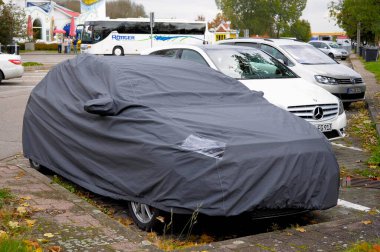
pixel 174 136
pixel 10 66
pixel 332 49
pixel 261 72
pixel 312 65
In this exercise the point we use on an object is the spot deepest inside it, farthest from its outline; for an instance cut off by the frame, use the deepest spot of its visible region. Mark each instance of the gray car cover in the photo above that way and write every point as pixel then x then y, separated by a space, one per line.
pixel 175 135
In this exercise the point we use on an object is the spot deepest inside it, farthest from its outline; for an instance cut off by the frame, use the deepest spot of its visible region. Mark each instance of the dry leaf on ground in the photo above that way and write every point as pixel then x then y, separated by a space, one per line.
pixel 49 235
pixel 367 222
pixel 301 229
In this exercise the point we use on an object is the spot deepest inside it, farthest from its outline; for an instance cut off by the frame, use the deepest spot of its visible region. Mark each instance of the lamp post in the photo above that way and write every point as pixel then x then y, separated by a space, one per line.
pixel 358 37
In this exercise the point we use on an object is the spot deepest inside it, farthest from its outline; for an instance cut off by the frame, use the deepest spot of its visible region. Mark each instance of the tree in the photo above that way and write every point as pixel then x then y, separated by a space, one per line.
pixel 124 9
pixel 348 13
pixel 219 18
pixel 299 29
pixel 12 22
pixel 285 13
pixel 270 17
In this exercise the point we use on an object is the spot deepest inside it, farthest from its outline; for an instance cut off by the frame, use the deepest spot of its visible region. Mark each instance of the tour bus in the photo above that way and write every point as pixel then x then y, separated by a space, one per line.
pixel 131 35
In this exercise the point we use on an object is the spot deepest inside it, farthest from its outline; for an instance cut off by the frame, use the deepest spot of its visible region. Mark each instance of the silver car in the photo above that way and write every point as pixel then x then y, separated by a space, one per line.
pixel 311 64
pixel 332 49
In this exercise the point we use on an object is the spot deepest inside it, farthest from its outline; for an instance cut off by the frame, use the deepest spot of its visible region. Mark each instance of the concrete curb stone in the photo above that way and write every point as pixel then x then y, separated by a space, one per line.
pixel 372 95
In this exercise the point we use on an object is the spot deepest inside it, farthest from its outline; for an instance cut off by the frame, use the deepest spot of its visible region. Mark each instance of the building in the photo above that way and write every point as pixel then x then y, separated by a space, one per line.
pixel 223 31
pixel 46 15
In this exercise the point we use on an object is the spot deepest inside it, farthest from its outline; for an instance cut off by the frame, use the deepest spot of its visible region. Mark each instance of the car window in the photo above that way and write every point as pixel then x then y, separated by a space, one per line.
pixel 171 53
pixel 324 46
pixel 249 44
pixel 308 54
pixel 335 45
pixel 316 44
pixel 193 56
pixel 248 64
pixel 276 54
pixel 227 43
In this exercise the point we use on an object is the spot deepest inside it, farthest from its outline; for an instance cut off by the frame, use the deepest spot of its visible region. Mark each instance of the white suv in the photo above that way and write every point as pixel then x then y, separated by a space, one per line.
pixel 261 72
pixel 312 65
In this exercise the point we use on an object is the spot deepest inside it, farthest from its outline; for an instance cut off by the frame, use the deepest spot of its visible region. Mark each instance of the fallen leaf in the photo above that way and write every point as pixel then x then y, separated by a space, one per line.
pixel 30 223
pixel 20 175
pixel 301 229
pixel 13 224
pixel 21 210
pixel 54 249
pixel 161 219
pixel 25 204
pixel 30 243
pixel 3 234
pixel 289 234
pixel 26 198
pixel 367 222
pixel 49 235
pixel 43 240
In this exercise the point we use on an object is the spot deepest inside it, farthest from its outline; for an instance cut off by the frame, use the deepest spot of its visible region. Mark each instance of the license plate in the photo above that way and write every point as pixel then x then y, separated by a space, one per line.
pixel 324 127
pixel 354 90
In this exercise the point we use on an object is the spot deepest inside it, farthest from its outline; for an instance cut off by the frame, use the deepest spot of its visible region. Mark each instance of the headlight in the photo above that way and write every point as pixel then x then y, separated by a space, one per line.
pixel 325 80
pixel 341 107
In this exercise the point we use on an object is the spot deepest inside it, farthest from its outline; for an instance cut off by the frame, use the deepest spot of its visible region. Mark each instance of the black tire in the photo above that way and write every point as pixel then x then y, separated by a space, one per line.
pixel 346 105
pixel 331 55
pixel 144 216
pixel 35 165
pixel 344 58
pixel 118 51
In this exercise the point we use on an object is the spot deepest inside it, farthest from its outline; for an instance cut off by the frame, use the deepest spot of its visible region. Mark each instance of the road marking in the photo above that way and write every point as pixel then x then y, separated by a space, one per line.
pixel 347 147
pixel 348 204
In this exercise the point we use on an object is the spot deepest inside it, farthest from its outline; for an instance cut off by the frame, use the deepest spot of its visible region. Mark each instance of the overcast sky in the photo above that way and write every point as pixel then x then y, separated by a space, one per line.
pixel 316 11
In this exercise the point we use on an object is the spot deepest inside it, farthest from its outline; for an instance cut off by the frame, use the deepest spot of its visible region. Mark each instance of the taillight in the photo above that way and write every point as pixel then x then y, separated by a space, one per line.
pixel 15 61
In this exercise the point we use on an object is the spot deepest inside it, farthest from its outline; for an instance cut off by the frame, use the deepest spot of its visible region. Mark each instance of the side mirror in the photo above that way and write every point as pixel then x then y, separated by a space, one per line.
pixel 102 106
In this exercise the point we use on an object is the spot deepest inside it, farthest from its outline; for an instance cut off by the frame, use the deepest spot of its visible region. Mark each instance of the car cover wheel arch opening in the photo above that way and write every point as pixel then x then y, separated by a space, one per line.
pixel 144 216
pixel 331 55
pixel 1 76
pixel 118 51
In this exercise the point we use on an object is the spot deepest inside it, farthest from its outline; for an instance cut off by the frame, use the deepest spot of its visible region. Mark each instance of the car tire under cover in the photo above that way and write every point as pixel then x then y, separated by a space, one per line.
pixel 331 55
pixel 144 216
pixel 34 164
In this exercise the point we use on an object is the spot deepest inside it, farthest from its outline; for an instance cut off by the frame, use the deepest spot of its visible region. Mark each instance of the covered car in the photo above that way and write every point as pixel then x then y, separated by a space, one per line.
pixel 175 136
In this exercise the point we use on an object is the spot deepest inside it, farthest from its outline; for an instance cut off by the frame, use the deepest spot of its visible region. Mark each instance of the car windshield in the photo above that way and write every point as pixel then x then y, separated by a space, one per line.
pixel 246 64
pixel 308 55
pixel 335 45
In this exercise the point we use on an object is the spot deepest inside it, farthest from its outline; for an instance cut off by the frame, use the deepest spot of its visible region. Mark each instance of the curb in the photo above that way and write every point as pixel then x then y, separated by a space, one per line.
pixel 373 88
pixel 34 68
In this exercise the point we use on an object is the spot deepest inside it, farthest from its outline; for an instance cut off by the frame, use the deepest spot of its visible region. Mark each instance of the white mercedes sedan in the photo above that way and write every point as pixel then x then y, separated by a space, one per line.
pixel 10 66
pixel 261 72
